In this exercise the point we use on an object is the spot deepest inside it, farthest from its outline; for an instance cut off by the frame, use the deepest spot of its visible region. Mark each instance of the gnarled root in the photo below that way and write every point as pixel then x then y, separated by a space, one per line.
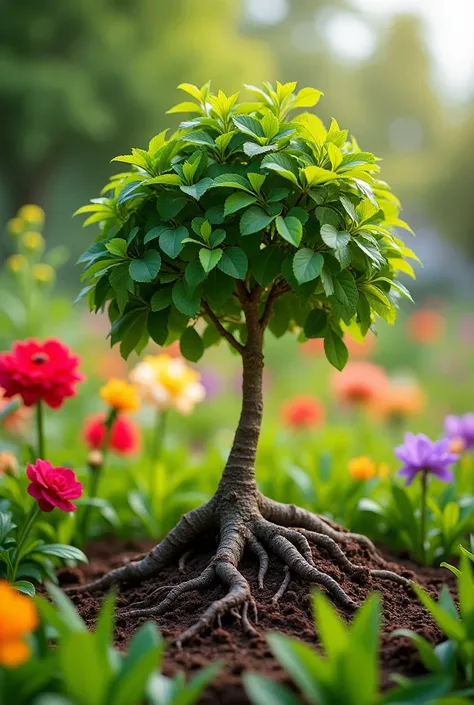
pixel 265 527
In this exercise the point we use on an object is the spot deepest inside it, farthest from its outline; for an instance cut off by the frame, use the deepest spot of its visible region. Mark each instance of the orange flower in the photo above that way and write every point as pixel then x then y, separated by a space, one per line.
pixel 18 618
pixel 120 395
pixel 426 326
pixel 362 468
pixel 403 398
pixel 457 446
pixel 16 421
pixel 8 463
pixel 360 384
pixel 303 412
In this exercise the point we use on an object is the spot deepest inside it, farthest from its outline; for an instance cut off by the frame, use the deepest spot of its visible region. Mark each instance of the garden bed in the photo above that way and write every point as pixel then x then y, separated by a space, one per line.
pixel 292 616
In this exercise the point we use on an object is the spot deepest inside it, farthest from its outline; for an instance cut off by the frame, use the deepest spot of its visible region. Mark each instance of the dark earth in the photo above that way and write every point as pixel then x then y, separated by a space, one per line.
pixel 229 645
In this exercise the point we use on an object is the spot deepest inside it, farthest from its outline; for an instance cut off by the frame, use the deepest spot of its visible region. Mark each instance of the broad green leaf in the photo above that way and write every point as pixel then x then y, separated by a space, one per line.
pixel 171 241
pixel 264 691
pixel 248 125
pixel 191 345
pixel 157 325
pixel 307 265
pixel 315 175
pixel 194 273
pixel 122 284
pixel 185 301
pixel 146 269
pixel 302 663
pixel 199 189
pixel 166 179
pixel 25 587
pixel 333 237
pixel 253 220
pixel 209 258
pixel 282 164
pixel 335 350
pixel 290 229
pixel 234 262
pixel 451 626
pixel 161 299
pixel 117 246
pixel 133 334
pixel 233 181
pixel 237 201
pixel 346 295
pixel 316 323
pixel 266 265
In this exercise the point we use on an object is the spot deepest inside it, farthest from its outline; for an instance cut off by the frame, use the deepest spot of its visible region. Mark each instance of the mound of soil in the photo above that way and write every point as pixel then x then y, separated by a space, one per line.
pixel 292 616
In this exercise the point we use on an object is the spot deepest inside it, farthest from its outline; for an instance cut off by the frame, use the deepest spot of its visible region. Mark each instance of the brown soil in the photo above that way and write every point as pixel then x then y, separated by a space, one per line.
pixel 239 652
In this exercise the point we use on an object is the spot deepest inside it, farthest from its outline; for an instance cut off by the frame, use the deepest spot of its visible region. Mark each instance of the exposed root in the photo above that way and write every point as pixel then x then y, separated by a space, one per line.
pixel 284 530
pixel 184 559
pixel 282 589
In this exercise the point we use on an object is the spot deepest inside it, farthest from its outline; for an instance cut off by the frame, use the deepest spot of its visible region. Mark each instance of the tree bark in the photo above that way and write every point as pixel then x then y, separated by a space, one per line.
pixel 238 482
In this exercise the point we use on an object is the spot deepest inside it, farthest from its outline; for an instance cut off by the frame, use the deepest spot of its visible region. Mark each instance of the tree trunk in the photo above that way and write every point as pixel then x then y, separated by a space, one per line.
pixel 238 479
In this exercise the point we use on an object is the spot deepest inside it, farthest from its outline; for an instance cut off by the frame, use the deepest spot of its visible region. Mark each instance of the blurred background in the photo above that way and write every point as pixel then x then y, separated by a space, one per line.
pixel 85 80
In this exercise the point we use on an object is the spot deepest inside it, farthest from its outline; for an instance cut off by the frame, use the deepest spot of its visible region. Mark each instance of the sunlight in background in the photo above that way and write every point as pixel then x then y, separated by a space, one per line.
pixel 349 36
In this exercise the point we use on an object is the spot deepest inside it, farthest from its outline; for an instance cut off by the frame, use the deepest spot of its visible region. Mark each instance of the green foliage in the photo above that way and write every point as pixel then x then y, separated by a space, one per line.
pixel 246 191
pixel 453 658
pixel 84 668
pixel 349 652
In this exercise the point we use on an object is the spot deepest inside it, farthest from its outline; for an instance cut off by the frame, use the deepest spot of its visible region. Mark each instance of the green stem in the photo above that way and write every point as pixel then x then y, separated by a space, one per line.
pixel 424 491
pixel 40 430
pixel 95 473
pixel 30 520
pixel 156 450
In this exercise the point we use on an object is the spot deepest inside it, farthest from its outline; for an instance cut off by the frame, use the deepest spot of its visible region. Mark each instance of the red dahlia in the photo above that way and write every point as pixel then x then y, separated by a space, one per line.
pixel 40 372
pixel 124 438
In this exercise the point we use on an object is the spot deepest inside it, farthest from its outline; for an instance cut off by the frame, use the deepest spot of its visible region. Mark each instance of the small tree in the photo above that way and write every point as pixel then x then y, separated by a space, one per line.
pixel 247 219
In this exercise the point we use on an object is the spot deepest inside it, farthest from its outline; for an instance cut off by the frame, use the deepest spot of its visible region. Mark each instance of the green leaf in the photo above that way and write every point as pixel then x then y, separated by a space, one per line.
pixel 133 333
pixel 186 302
pixel 218 287
pixel 302 663
pixel 161 299
pixel 290 229
pixel 194 273
pixel 316 175
pixel 122 284
pixel 316 323
pixel 335 350
pixel 252 149
pixel 267 263
pixel 66 552
pixel 233 181
pixel 117 246
pixel 166 179
pixel 25 587
pixel 234 262
pixel 346 295
pixel 199 189
pixel 171 241
pixel 66 609
pixel 236 201
pixel 157 325
pixel 282 164
pixel 253 220
pixel 451 626
pixel 169 205
pixel 333 237
pixel 248 125
pixel 191 345
pixel 263 691
pixel 307 265
pixel 209 258
pixel 146 269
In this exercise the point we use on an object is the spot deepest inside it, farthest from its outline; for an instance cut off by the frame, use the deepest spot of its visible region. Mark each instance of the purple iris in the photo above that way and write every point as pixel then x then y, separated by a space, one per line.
pixel 420 454
pixel 462 428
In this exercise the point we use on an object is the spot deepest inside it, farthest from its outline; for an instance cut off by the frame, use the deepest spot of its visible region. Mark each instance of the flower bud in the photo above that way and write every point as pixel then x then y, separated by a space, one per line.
pixel 32 241
pixel 43 273
pixel 16 226
pixel 95 460
pixel 17 263
pixel 32 214
pixel 8 463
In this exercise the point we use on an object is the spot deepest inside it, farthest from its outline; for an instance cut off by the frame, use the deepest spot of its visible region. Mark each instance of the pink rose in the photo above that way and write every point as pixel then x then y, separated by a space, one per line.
pixel 53 487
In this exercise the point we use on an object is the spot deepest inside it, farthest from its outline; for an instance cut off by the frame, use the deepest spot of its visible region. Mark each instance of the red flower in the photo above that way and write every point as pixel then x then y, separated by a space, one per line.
pixel 303 412
pixel 40 372
pixel 53 487
pixel 124 438
pixel 360 383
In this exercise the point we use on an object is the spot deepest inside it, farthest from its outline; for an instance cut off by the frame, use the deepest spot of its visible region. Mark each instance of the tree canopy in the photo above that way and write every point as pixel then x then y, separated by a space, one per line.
pixel 246 195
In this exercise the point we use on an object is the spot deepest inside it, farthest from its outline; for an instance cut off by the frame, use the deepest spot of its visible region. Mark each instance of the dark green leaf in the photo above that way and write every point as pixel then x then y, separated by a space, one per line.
pixel 234 262
pixel 253 220
pixel 307 265
pixel 185 301
pixel 316 324
pixel 169 205
pixel 146 268
pixel 290 229
pixel 171 241
pixel 194 273
pixel 157 325
pixel 191 345
pixel 236 201
pixel 266 265
pixel 161 299
pixel 335 350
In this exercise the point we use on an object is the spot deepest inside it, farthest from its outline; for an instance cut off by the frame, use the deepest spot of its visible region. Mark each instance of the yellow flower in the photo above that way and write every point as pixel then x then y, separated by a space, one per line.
pixel 32 241
pixel 16 226
pixel 383 470
pixel 32 214
pixel 18 618
pixel 43 273
pixel 362 468
pixel 17 263
pixel 168 382
pixel 120 395
pixel 8 463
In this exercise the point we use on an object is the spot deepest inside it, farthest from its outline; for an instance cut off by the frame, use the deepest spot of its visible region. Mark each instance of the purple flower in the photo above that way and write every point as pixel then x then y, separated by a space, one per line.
pixel 461 428
pixel 420 454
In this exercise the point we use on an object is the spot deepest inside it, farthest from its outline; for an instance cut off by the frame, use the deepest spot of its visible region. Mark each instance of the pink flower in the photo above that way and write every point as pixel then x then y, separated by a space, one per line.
pixel 40 372
pixel 53 487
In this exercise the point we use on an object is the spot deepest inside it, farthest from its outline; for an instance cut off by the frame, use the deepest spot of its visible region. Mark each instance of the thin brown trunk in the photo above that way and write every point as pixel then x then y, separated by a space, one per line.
pixel 238 478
